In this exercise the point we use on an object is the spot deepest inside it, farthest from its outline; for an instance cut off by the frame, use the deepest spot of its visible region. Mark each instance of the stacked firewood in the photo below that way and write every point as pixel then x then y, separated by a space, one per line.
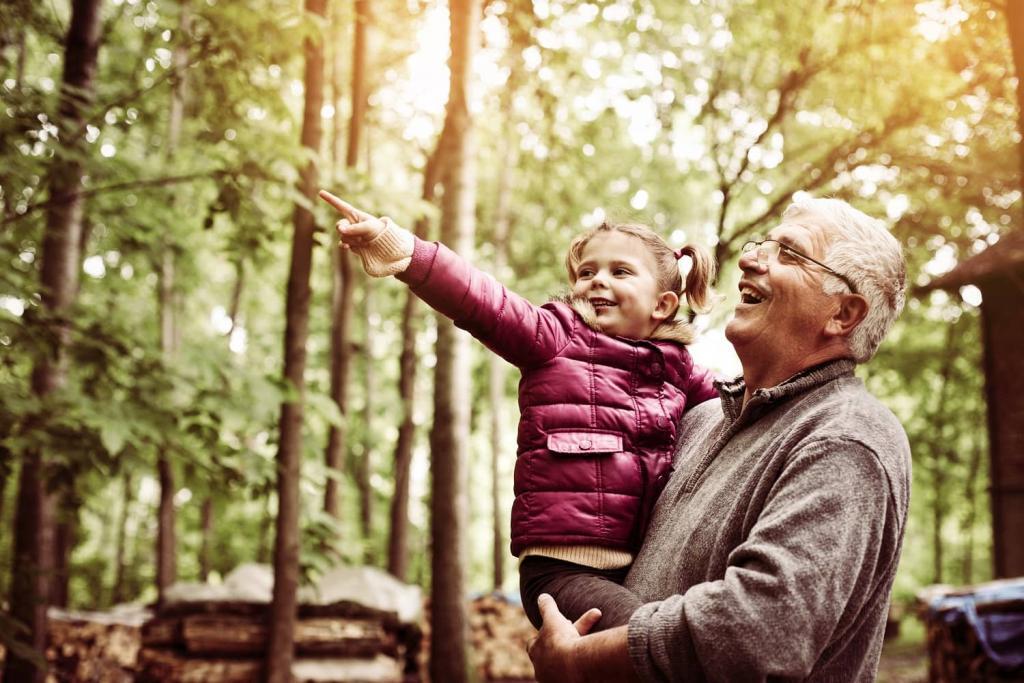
pixel 954 650
pixel 86 648
pixel 227 641
pixel 92 646
pixel 499 633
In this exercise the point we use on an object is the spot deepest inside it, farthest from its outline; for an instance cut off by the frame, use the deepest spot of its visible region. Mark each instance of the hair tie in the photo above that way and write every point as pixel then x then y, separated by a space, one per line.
pixel 678 253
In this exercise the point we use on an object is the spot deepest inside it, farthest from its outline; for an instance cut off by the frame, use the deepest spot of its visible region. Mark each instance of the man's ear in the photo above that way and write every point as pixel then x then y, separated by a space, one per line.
pixel 852 310
pixel 667 304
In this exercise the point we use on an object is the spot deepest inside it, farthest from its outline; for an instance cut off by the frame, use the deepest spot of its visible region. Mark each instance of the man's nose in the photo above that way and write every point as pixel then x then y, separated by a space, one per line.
pixel 750 260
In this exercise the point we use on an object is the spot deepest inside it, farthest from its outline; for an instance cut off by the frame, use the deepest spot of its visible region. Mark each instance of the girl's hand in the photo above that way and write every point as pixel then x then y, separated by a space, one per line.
pixel 356 228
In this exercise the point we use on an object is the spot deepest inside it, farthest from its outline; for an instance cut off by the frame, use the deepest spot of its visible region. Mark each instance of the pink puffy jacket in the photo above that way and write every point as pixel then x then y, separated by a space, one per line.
pixel 598 413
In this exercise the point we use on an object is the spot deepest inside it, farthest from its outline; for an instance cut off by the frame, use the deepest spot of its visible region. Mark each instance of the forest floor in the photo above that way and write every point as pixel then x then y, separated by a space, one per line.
pixel 905 659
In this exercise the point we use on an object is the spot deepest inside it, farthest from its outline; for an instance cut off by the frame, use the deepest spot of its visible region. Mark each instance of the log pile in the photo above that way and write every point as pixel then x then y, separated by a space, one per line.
pixel 498 635
pixel 89 649
pixel 954 651
pixel 226 642
pixel 92 646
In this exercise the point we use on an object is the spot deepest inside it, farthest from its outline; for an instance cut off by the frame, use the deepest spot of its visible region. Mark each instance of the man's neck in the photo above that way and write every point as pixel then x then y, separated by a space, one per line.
pixel 755 378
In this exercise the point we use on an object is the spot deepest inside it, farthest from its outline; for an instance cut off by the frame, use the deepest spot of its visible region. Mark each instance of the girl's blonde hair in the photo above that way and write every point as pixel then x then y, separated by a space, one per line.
pixel 667 275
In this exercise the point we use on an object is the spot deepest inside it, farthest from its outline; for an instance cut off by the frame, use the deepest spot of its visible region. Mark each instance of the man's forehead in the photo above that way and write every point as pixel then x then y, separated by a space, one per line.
pixel 799 231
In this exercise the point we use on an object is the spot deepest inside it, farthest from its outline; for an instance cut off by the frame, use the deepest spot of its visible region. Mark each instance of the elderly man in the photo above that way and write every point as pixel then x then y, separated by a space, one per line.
pixel 772 551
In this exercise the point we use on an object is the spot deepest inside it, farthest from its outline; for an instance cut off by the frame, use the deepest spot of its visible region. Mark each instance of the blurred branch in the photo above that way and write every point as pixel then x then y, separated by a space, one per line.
pixel 122 187
pixel 101 110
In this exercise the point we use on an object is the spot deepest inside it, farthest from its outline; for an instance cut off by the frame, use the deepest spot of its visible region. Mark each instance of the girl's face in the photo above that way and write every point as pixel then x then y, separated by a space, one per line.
pixel 616 273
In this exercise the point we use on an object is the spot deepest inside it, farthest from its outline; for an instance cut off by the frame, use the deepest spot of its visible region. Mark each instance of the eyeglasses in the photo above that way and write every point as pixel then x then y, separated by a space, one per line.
pixel 773 248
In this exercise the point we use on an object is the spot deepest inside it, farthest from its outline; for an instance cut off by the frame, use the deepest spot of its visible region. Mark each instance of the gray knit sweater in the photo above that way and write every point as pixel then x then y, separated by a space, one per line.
pixel 772 550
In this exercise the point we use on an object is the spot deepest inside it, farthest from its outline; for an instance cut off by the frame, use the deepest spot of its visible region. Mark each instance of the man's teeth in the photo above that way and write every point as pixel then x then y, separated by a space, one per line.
pixel 749 295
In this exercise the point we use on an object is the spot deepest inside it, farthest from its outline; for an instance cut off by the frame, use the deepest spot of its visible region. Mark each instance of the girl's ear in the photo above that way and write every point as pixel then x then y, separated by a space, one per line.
pixel 666 306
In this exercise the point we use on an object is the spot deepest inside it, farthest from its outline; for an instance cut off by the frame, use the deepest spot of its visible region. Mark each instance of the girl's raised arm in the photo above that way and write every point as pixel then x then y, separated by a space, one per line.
pixel 508 324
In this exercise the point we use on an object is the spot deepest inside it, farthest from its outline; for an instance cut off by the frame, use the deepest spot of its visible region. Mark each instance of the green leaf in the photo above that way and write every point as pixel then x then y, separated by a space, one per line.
pixel 114 435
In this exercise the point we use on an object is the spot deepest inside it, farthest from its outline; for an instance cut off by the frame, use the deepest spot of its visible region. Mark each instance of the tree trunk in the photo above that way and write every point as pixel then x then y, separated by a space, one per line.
pixel 498 368
pixel 5 474
pixel 61 261
pixel 971 499
pixel 286 545
pixel 938 517
pixel 166 558
pixel 234 310
pixel 342 299
pixel 366 461
pixel 166 535
pixel 341 357
pixel 942 456
pixel 449 437
pixel 359 94
pixel 206 529
pixel 398 539
pixel 65 537
pixel 117 593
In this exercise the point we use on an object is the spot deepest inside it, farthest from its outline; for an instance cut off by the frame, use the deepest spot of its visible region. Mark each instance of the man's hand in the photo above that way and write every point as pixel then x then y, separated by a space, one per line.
pixel 356 228
pixel 553 651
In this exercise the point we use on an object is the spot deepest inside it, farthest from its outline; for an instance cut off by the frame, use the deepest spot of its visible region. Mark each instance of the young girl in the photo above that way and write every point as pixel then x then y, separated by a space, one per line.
pixel 605 378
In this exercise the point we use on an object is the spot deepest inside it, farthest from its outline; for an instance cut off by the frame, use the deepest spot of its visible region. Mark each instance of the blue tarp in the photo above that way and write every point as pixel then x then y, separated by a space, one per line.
pixel 1001 633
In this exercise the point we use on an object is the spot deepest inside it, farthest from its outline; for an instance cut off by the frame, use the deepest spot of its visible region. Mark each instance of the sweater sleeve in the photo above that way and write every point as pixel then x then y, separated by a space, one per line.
pixel 515 329
pixel 809 562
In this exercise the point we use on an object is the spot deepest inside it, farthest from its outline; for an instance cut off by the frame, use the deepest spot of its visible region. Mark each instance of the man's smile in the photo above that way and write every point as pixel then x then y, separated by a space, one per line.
pixel 750 294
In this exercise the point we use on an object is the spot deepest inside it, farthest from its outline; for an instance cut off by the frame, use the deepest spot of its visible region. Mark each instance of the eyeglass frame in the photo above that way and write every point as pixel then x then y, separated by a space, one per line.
pixel 756 245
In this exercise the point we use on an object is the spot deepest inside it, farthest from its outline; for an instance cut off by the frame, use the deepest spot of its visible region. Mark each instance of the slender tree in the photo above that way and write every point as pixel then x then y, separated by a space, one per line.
pixel 359 94
pixel 206 536
pixel 398 538
pixel 166 534
pixel 61 260
pixel 286 545
pixel 449 436
pixel 365 469
pixel 498 368
pixel 65 538
pixel 117 592
pixel 342 300
pixel 942 455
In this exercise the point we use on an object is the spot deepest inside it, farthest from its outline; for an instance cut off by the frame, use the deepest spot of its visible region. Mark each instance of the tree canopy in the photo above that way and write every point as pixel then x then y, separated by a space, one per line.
pixel 702 119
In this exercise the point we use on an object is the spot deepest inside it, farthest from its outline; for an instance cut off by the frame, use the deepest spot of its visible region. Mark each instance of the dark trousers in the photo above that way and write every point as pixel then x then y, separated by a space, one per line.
pixel 576 589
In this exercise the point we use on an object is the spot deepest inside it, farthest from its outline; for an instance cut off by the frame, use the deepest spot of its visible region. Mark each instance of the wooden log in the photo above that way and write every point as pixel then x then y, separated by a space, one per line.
pixel 161 632
pixel 343 609
pixel 168 666
pixel 203 634
pixel 80 649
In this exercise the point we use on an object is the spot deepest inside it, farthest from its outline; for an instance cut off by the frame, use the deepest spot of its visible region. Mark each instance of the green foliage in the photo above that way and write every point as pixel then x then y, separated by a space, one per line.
pixel 699 118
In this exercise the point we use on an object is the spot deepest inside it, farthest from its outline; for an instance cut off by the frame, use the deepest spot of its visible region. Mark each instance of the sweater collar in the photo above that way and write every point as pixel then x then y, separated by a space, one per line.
pixel 807 379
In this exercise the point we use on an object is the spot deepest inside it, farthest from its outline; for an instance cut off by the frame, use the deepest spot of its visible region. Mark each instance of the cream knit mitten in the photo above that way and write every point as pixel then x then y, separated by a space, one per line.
pixel 389 253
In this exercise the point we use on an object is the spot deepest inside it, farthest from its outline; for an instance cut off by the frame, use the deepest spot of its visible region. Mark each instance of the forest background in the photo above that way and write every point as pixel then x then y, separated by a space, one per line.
pixel 142 372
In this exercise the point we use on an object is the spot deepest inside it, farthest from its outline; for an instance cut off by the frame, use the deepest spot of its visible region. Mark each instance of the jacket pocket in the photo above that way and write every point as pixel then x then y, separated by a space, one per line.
pixel 584 443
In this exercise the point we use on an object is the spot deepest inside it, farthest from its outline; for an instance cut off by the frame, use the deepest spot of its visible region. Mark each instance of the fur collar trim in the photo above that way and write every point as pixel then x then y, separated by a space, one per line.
pixel 678 331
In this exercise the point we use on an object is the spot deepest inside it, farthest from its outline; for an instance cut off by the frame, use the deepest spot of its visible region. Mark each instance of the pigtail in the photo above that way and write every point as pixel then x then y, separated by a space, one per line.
pixel 698 280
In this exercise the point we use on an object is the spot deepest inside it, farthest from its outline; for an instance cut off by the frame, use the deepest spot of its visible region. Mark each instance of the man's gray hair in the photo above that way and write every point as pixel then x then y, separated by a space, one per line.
pixel 864 251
